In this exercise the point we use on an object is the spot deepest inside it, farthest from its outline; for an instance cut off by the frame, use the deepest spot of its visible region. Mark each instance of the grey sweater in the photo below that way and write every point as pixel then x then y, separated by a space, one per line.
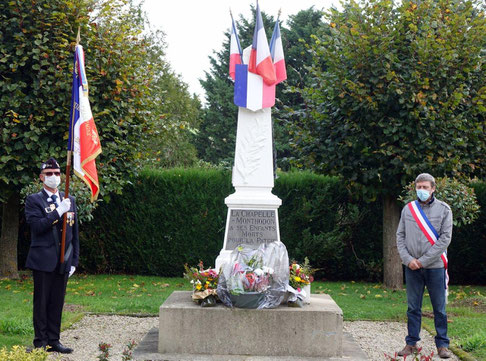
pixel 412 243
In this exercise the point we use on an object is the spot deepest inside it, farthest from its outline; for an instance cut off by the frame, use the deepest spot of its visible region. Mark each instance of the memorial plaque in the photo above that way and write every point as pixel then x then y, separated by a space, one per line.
pixel 252 227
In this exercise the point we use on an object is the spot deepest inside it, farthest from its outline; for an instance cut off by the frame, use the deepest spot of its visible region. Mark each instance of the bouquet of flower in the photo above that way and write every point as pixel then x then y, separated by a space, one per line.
pixel 255 277
pixel 301 275
pixel 250 276
pixel 204 281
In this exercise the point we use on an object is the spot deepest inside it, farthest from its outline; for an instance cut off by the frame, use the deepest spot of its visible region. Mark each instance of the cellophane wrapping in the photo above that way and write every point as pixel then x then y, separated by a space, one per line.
pixel 255 278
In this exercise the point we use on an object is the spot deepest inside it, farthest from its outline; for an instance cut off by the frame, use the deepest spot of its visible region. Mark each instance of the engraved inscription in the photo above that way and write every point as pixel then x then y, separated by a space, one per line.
pixel 252 227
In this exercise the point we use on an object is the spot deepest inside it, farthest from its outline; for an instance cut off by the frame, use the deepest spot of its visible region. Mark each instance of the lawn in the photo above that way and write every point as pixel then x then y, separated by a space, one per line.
pixel 127 295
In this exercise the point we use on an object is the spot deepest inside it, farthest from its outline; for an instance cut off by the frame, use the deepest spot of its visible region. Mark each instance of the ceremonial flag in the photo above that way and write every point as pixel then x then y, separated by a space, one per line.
pixel 235 50
pixel 260 58
pixel 83 139
pixel 251 91
pixel 276 49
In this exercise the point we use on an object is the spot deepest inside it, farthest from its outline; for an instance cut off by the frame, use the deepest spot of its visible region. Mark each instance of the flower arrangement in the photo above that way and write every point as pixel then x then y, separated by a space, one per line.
pixel 204 281
pixel 301 275
pixel 250 276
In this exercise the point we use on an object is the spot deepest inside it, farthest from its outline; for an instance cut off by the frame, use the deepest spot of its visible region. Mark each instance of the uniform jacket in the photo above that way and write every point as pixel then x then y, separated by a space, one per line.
pixel 412 243
pixel 44 220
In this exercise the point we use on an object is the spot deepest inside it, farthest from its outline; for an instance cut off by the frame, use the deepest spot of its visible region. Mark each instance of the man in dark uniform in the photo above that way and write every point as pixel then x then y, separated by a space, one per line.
pixel 44 213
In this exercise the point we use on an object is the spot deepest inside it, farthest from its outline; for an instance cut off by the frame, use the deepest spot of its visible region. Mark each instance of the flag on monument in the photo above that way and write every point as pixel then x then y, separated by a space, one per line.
pixel 235 50
pixel 260 58
pixel 276 49
pixel 83 139
pixel 251 92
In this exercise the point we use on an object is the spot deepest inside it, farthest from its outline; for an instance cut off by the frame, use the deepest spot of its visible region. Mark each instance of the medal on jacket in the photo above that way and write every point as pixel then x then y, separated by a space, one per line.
pixel 70 218
pixel 51 208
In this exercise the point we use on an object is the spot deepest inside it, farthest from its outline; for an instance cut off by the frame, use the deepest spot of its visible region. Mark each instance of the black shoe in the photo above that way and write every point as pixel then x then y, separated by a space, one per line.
pixel 58 347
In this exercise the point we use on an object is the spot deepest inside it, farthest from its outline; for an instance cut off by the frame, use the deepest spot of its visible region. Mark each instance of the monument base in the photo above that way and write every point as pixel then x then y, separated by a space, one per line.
pixel 315 330
pixel 252 219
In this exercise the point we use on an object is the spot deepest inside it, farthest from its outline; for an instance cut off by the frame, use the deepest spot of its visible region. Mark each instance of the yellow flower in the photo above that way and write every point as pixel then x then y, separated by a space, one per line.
pixel 198 286
pixel 297 278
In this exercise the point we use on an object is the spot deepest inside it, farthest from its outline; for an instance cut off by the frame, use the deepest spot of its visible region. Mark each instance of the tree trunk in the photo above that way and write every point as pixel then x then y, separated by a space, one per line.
pixel 9 237
pixel 393 273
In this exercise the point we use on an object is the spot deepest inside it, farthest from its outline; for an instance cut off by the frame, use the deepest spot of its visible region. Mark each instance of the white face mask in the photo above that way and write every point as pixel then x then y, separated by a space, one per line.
pixel 53 181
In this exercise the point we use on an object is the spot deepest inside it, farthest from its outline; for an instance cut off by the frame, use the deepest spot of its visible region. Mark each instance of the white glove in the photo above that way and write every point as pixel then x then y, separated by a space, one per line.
pixel 72 271
pixel 64 206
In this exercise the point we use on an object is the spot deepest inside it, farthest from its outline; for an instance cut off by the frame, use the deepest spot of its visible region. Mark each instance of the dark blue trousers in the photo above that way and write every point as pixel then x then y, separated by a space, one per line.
pixel 434 280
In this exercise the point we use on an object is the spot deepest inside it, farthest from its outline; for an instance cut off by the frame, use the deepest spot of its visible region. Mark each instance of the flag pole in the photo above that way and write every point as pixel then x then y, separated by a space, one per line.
pixel 66 189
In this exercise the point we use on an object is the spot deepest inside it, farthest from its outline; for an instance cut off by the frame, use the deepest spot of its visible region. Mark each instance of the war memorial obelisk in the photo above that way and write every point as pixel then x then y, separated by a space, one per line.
pixel 252 216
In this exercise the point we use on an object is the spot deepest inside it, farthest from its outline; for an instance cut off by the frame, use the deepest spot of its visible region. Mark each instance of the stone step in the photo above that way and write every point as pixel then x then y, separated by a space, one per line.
pixel 187 330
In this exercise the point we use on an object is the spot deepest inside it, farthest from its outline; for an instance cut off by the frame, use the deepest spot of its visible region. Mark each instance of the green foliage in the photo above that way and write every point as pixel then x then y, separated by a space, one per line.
pixel 403 91
pixel 460 197
pixel 468 247
pixel 132 88
pixel 475 341
pixel 16 327
pixel 165 219
pixel 175 113
pixel 19 353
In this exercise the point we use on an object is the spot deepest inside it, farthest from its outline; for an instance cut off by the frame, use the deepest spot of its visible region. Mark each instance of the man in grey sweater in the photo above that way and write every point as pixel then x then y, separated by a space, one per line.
pixel 423 235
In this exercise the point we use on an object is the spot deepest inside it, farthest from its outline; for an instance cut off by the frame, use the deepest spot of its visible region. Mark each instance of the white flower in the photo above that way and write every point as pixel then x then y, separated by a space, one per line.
pixel 258 272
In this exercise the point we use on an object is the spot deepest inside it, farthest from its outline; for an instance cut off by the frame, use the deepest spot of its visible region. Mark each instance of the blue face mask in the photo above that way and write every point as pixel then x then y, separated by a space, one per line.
pixel 423 195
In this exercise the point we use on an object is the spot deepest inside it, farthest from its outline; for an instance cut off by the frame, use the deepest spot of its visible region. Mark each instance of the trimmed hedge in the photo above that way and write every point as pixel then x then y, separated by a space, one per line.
pixel 467 252
pixel 170 217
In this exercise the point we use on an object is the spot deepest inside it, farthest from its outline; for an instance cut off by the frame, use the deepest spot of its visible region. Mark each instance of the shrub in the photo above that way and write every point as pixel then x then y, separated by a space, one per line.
pixel 20 353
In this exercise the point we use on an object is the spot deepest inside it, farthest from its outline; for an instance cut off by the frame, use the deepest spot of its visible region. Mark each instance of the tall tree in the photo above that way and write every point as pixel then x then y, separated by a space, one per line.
pixel 36 49
pixel 403 93
pixel 176 115
pixel 217 134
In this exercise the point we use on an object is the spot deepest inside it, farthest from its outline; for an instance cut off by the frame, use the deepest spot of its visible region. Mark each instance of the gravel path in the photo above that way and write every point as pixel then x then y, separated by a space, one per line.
pixel 375 338
pixel 378 338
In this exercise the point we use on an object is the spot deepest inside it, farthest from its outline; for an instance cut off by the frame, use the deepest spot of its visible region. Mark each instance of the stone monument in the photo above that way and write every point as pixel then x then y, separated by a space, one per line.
pixel 253 209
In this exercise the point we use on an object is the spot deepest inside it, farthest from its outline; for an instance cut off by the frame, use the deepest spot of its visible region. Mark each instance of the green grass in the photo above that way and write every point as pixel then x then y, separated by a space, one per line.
pixel 121 294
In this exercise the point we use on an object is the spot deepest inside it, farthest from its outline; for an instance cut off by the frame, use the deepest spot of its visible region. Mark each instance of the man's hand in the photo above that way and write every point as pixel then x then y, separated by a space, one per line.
pixel 415 264
pixel 72 271
pixel 64 206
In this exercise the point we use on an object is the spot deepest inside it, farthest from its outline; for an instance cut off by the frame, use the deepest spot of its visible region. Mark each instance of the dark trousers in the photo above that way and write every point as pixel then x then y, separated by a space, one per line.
pixel 49 292
pixel 434 280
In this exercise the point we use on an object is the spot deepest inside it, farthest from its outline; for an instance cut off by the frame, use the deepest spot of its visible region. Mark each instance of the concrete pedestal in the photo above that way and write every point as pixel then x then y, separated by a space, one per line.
pixel 315 330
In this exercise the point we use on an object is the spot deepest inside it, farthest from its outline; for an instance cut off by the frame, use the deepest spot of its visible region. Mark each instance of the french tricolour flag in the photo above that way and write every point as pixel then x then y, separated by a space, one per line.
pixel 83 139
pixel 276 49
pixel 260 58
pixel 251 91
pixel 235 50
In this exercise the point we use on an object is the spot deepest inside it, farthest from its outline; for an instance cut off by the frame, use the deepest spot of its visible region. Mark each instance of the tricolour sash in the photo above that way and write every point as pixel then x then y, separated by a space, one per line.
pixel 428 230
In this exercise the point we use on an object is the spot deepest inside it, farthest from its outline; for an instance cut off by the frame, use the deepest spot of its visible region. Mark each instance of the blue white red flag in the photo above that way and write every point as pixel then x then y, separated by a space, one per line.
pixel 83 139
pixel 251 91
pixel 276 49
pixel 235 50
pixel 260 58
